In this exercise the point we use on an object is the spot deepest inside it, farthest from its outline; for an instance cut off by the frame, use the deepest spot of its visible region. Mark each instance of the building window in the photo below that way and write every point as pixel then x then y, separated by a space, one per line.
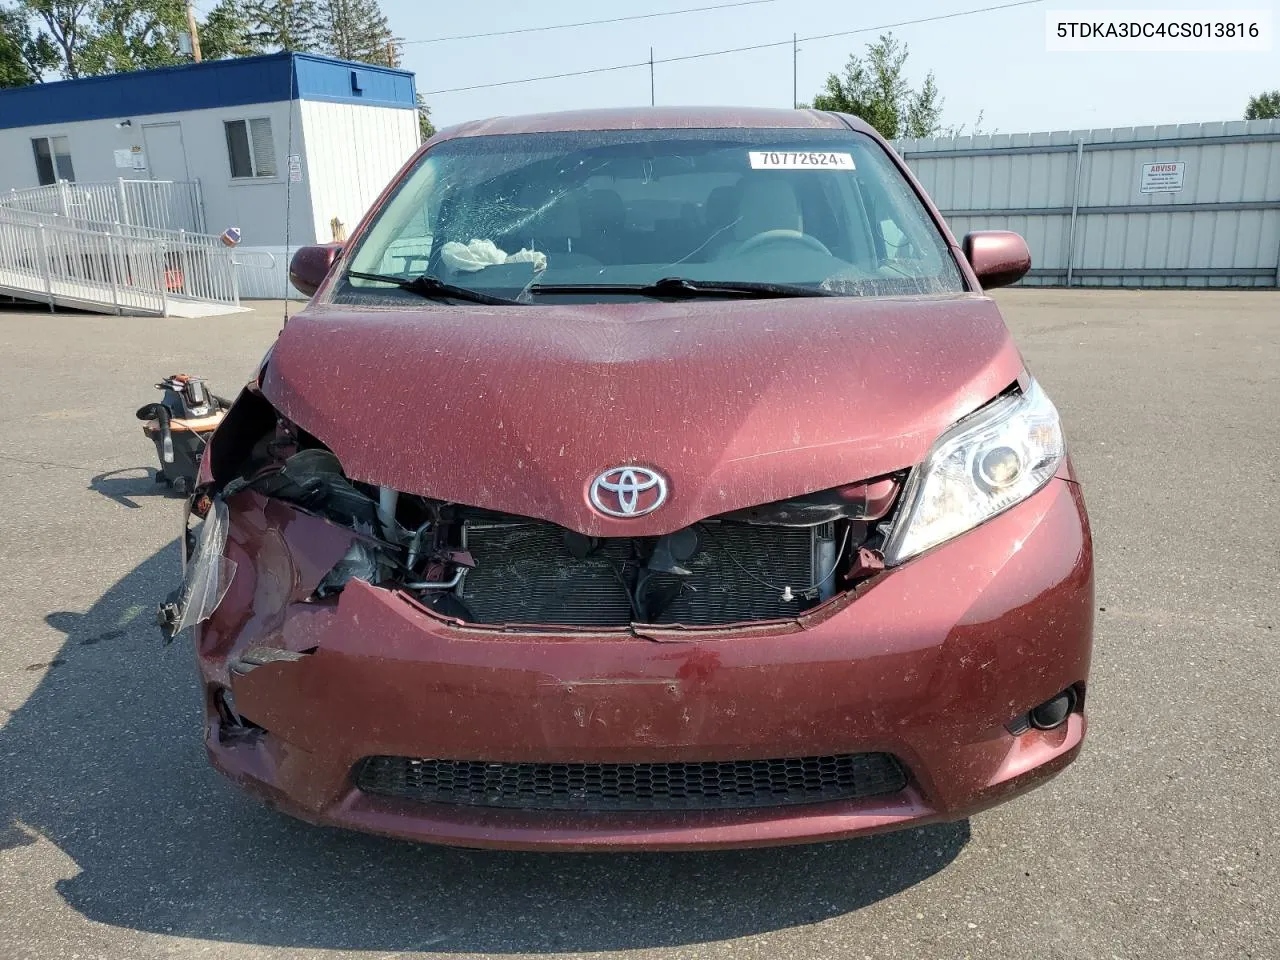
pixel 250 148
pixel 53 159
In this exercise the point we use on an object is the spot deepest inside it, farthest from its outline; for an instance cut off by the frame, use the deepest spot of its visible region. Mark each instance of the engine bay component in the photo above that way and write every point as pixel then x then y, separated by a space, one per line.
pixel 766 563
pixel 673 550
pixel 534 572
pixel 313 479
pixel 870 500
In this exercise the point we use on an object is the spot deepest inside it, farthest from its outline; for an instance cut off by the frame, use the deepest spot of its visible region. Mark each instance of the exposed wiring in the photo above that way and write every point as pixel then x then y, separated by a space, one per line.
pixel 720 53
pixel 641 597
pixel 621 576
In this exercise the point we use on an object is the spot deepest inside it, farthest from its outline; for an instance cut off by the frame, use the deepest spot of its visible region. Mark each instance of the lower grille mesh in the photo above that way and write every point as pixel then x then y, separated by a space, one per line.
pixel 633 786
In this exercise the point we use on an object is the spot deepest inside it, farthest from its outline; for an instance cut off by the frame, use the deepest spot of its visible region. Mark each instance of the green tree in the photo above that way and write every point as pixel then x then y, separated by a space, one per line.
pixel 134 35
pixel 1265 106
pixel 284 24
pixel 93 37
pixel 357 30
pixel 24 56
pixel 877 90
pixel 67 26
pixel 228 32
pixel 425 126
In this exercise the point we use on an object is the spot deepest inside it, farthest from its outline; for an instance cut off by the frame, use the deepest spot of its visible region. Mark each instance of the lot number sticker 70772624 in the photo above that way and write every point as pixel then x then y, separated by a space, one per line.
pixel 802 160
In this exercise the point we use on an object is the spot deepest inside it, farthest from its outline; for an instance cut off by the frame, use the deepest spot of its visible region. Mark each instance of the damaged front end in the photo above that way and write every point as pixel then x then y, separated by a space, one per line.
pixel 403 664
pixel 494 570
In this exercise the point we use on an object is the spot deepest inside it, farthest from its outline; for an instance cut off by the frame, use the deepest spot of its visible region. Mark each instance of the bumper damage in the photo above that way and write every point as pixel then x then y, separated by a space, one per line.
pixel 933 663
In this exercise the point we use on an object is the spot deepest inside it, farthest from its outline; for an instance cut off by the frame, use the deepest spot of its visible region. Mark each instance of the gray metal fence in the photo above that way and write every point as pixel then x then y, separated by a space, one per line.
pixel 1178 205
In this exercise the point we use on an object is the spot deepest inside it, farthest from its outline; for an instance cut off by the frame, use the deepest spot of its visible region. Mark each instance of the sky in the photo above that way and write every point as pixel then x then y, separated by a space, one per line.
pixel 991 63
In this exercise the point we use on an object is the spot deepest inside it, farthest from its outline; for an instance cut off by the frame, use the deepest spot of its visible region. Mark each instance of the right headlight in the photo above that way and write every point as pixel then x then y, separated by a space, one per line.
pixel 985 464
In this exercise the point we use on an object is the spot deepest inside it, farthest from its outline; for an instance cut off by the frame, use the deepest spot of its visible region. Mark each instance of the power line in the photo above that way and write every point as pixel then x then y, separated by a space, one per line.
pixel 592 23
pixel 547 76
pixel 721 53
pixel 940 16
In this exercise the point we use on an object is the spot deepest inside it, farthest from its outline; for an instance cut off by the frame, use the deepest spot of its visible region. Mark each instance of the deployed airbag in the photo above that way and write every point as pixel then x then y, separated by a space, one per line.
pixel 478 254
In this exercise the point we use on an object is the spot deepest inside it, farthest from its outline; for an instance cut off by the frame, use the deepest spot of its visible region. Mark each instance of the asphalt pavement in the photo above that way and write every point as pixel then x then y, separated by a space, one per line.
pixel 1161 842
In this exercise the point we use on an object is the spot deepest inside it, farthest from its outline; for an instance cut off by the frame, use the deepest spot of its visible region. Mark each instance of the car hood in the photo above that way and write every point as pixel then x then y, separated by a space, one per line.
pixel 737 403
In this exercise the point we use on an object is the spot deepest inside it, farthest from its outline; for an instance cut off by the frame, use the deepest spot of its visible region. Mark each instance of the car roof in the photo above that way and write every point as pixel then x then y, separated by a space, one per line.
pixel 656 118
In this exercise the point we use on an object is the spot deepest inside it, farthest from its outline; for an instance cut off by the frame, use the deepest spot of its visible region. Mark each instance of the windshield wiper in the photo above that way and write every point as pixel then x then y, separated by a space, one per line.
pixel 433 288
pixel 682 288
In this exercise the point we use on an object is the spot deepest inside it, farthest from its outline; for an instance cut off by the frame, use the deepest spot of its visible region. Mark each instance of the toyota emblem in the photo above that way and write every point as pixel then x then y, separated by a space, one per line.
pixel 628 491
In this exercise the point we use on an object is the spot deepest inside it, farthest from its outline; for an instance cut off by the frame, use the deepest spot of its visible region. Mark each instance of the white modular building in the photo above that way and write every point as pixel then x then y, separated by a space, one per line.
pixel 289 149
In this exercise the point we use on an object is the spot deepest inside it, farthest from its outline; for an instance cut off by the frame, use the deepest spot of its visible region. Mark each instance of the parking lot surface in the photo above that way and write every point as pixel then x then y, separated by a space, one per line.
pixel 1162 841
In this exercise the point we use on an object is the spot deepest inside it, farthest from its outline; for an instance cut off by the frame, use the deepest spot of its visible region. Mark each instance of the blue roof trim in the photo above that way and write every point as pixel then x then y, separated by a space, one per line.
pixel 320 78
pixel 221 83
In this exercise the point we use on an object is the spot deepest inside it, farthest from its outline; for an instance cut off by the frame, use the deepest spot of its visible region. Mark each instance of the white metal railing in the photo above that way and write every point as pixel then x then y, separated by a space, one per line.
pixel 254 271
pixel 88 244
pixel 171 205
pixel 71 263
pixel 164 204
pixel 114 226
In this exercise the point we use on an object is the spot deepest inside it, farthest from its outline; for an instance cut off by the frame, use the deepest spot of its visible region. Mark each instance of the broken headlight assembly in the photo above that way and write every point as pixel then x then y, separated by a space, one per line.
pixel 207 576
pixel 985 464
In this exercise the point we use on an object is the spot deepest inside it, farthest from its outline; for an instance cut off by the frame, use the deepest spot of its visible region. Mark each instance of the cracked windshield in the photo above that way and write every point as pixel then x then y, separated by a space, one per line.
pixel 589 215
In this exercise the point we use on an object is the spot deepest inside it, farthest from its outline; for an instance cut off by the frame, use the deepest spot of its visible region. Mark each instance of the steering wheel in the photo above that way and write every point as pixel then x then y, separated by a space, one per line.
pixel 780 236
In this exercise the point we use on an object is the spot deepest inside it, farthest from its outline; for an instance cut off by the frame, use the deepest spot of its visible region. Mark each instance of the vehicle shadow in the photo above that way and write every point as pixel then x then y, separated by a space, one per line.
pixel 128 482
pixel 104 761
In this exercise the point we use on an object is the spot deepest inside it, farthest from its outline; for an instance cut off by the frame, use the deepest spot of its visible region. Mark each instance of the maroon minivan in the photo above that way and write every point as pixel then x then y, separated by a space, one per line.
pixel 644 479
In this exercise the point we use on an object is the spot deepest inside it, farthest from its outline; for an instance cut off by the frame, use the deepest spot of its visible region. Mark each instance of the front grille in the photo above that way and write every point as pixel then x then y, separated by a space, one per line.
pixel 526 573
pixel 719 785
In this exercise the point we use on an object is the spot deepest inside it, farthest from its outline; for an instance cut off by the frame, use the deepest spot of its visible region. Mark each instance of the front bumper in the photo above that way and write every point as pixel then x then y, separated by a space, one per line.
pixel 929 662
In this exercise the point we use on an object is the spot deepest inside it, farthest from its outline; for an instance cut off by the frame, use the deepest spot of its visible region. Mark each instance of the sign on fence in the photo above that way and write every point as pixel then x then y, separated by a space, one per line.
pixel 1163 177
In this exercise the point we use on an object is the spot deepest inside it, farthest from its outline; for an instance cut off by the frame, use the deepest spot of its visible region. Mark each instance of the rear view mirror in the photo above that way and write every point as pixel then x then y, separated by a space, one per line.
pixel 310 265
pixel 998 257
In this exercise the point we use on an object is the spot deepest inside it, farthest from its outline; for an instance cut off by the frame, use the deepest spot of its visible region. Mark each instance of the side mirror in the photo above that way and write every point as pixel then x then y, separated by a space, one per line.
pixel 310 265
pixel 998 257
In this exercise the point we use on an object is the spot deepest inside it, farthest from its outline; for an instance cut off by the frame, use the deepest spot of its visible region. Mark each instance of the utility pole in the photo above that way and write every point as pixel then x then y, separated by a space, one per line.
pixel 195 34
pixel 795 92
pixel 652 98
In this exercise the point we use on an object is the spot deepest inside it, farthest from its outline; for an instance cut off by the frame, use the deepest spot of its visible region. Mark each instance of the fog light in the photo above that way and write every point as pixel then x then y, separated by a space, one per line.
pixel 1053 713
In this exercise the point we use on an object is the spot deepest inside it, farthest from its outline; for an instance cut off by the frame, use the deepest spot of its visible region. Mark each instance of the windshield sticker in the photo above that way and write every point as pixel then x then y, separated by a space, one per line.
pixel 804 160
